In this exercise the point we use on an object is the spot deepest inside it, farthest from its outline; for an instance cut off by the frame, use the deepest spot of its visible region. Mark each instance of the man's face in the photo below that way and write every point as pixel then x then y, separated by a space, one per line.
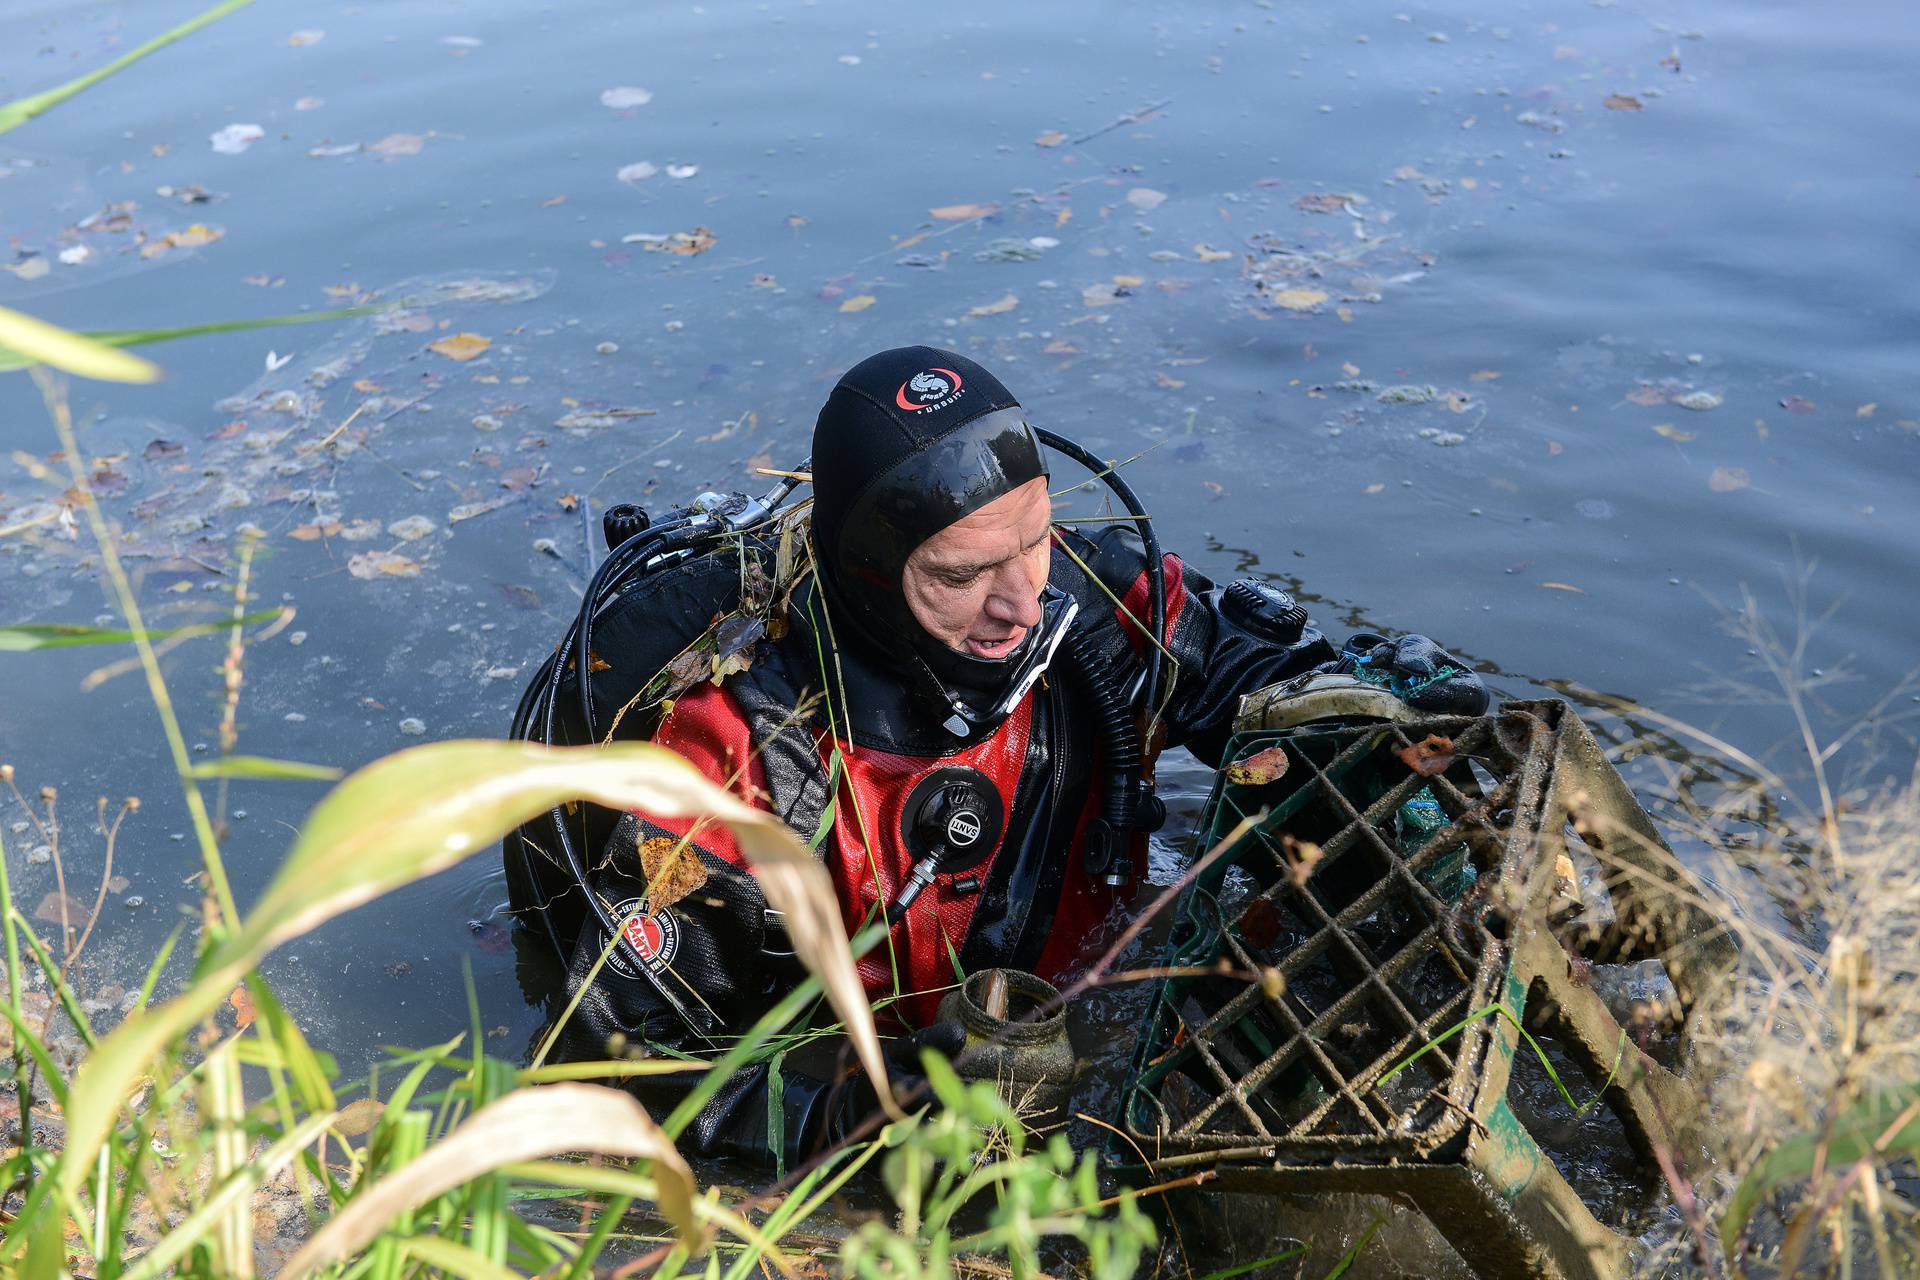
pixel 975 585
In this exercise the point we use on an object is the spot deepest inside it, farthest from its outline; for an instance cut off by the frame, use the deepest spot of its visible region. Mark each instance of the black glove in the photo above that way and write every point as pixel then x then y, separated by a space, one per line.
pixel 855 1098
pixel 1423 674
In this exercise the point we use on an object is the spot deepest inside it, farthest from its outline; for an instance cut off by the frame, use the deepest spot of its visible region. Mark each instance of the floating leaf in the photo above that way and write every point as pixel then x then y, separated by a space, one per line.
pixel 1430 756
pixel 639 171
pixel 1162 379
pixel 1621 102
pixel 859 302
pixel 382 564
pixel 1051 138
pixel 1797 404
pixel 963 212
pixel 460 346
pixel 1325 202
pixel 1258 769
pixel 1674 433
pixel 1207 253
pixel 1647 395
pixel 358 1118
pixel 1146 198
pixel 625 97
pixel 235 138
pixel 1006 304
pixel 1728 479
pixel 1483 375
pixel 1564 586
pixel 684 243
pixel 242 1003
pixel 1297 299
pixel 398 144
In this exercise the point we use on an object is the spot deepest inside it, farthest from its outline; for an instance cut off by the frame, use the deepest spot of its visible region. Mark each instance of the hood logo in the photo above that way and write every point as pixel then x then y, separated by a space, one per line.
pixel 655 937
pixel 934 388
pixel 963 828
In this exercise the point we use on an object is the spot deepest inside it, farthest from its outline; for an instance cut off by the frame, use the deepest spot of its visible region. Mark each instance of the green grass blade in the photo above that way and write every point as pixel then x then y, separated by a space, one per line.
pixel 1359 1246
pixel 13 358
pixel 441 1255
pixel 28 342
pixel 18 112
pixel 265 768
pixel 236 1190
pixel 28 637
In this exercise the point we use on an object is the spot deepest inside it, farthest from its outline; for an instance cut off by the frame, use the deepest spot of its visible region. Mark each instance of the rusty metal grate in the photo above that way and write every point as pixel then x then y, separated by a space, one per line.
pixel 1393 906
pixel 1373 920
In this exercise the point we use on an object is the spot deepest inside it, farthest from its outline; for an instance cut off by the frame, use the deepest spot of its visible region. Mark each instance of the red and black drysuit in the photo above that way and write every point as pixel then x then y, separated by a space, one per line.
pixel 1032 904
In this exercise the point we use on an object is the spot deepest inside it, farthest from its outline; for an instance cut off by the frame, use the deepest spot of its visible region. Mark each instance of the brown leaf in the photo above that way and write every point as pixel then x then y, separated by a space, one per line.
pixel 684 243
pixel 673 871
pixel 1000 307
pixel 1797 404
pixel 1258 769
pixel 963 212
pixel 1325 202
pixel 1430 756
pixel 1061 347
pixel 308 532
pixel 1483 375
pixel 1621 102
pixel 1674 433
pixel 242 1008
pixel 1051 138
pixel 51 906
pixel 1728 479
pixel 359 1117
pixel 460 346
pixel 1207 253
pixel 382 564
pixel 1161 379
pixel 1648 395
pixel 1297 299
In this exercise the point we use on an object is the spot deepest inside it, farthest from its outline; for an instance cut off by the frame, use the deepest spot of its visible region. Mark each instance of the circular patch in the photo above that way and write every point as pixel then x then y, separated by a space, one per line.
pixel 933 388
pixel 655 938
pixel 963 828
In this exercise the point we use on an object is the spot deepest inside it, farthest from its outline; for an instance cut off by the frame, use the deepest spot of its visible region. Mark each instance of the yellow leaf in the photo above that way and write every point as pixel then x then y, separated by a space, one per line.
pixel 1063 217
pixel 524 1125
pixel 1004 305
pixel 460 346
pixel 1564 586
pixel 43 343
pixel 963 212
pixel 1728 479
pixel 1051 138
pixel 1483 375
pixel 1345 314
pixel 859 302
pixel 1298 299
pixel 382 564
pixel 1129 282
pixel 1207 253
pixel 1674 433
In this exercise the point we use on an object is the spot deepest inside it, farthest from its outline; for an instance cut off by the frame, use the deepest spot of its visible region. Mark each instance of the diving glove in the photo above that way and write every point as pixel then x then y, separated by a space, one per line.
pixel 1421 673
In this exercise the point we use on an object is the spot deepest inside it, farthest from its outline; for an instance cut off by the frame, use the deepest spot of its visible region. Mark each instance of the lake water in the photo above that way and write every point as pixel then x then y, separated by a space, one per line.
pixel 1225 233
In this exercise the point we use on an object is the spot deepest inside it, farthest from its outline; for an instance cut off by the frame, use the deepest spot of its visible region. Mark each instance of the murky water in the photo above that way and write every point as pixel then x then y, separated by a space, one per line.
pixel 1541 328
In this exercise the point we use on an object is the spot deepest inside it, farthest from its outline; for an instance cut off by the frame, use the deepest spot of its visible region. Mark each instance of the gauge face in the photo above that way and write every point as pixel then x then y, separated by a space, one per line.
pixel 954 816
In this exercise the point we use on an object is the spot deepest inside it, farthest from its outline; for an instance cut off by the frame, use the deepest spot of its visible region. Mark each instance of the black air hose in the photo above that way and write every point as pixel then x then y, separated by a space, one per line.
pixel 1122 761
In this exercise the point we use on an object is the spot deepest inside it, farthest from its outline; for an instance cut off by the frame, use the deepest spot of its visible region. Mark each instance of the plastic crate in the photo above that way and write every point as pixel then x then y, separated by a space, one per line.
pixel 1393 906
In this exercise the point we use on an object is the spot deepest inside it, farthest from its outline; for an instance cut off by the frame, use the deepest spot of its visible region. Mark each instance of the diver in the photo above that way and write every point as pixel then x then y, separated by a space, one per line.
pixel 963 701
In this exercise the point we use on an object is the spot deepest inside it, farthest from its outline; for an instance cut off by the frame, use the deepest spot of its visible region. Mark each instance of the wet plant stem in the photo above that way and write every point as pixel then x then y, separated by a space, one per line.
pixel 55 396
pixel 22 1077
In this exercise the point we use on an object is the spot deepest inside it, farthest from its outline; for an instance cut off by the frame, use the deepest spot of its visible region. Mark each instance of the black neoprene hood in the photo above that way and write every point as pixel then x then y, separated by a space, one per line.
pixel 910 441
